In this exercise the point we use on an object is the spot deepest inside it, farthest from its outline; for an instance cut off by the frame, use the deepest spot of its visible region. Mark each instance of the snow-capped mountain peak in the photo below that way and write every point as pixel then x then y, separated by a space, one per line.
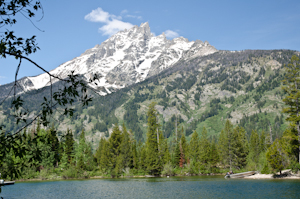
pixel 128 57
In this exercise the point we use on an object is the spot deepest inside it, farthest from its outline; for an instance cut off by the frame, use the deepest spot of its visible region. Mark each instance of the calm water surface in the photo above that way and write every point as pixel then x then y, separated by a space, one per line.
pixel 173 187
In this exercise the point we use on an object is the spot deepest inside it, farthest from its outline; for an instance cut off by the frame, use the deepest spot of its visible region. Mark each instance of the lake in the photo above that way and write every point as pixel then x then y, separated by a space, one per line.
pixel 173 187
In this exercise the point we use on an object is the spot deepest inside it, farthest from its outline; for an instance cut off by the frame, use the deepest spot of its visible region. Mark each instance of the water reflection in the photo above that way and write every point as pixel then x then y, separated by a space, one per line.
pixel 173 187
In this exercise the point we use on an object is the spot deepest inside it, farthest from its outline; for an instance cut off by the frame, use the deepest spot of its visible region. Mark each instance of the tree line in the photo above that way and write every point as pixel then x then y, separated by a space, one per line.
pixel 42 154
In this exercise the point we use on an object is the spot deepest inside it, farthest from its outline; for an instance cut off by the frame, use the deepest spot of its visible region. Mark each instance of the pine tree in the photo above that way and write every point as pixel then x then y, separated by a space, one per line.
pixel 126 149
pixel 239 147
pixel 45 151
pixel 115 141
pixel 166 152
pixel 290 143
pixel 254 147
pixel 80 155
pixel 276 156
pixel 226 144
pixel 204 147
pixel 69 145
pixel 176 154
pixel 185 147
pixel 84 157
pixel 135 161
pixel 222 147
pixel 153 161
pixel 142 157
pixel 214 154
pixel 54 142
pixel 292 88
pixel 182 158
pixel 64 162
pixel 194 147
pixel 105 156
pixel 99 150
pixel 263 146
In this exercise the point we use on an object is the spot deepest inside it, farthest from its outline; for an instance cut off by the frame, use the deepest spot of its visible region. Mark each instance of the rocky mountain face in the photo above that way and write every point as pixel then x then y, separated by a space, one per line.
pixel 128 57
pixel 193 84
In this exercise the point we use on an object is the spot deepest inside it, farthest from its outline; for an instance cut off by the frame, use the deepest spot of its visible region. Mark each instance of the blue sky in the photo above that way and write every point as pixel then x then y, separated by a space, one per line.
pixel 71 27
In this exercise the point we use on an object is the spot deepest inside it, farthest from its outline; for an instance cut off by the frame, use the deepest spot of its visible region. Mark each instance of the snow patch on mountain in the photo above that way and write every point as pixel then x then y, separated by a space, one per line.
pixel 128 57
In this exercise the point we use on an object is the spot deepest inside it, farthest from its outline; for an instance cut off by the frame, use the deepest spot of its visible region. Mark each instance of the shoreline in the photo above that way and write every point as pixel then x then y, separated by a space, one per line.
pixel 108 177
pixel 285 174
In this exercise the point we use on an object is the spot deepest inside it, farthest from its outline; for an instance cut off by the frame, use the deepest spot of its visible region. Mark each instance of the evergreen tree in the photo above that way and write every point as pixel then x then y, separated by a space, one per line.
pixel 125 148
pixel 166 152
pixel 115 141
pixel 54 142
pixel 292 89
pixel 263 145
pixel 135 161
pixel 214 155
pixel 80 152
pixel 153 161
pixel 222 147
pixel 204 147
pixel 69 145
pixel 142 157
pixel 226 144
pixel 105 156
pixel 254 147
pixel 239 147
pixel 290 143
pixel 64 162
pixel 84 156
pixel 184 145
pixel 276 156
pixel 194 147
pixel 182 158
pixel 33 155
pixel 99 150
pixel 176 154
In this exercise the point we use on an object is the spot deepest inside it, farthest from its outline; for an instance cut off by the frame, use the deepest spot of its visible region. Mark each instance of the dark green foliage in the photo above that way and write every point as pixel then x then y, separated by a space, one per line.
pixel 153 161
pixel 125 148
pixel 132 119
pixel 232 149
pixel 276 156
pixel 292 89
pixel 194 147
pixel 115 141
pixel 192 126
pixel 100 126
pixel 204 150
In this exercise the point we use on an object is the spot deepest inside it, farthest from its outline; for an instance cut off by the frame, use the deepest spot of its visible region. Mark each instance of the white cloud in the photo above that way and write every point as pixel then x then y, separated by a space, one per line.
pixel 113 24
pixel 171 34
pixel 124 12
pixel 98 15
pixel 134 16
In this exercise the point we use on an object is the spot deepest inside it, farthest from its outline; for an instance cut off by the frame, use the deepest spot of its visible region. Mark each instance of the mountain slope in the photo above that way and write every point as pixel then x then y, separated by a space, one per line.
pixel 243 87
pixel 193 84
pixel 128 57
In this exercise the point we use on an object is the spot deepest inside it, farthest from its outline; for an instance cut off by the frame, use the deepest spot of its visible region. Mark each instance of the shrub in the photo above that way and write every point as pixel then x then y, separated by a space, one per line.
pixel 168 169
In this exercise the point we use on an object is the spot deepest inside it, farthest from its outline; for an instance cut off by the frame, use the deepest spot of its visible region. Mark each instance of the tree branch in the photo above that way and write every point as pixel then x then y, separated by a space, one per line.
pixel 23 57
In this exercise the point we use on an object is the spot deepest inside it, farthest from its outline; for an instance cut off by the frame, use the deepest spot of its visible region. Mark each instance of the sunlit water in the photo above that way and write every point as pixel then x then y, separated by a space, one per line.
pixel 173 187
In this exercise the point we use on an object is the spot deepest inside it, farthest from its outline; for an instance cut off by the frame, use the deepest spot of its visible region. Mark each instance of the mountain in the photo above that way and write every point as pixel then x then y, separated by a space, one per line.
pixel 193 84
pixel 126 58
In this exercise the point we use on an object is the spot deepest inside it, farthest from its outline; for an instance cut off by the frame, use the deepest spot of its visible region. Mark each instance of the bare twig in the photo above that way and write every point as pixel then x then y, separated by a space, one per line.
pixel 16 78
pixel 31 22
pixel 23 57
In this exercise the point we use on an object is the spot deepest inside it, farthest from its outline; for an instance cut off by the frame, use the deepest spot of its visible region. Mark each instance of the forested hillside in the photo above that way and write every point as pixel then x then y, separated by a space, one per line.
pixel 242 86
